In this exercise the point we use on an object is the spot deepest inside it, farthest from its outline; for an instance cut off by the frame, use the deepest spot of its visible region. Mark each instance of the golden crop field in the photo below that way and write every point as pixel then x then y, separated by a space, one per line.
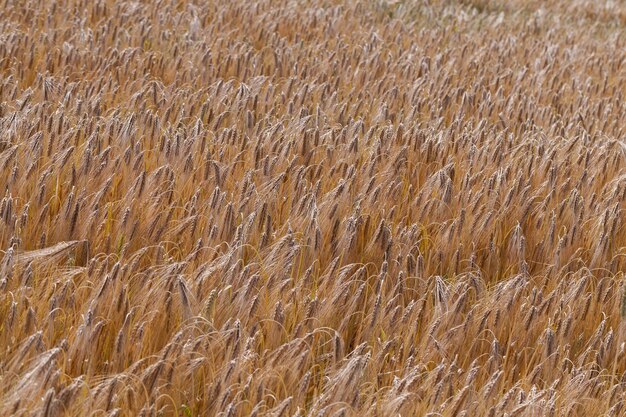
pixel 312 208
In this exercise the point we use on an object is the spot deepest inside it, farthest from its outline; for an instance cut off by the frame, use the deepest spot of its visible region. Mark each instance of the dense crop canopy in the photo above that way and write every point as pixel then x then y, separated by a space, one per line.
pixel 314 208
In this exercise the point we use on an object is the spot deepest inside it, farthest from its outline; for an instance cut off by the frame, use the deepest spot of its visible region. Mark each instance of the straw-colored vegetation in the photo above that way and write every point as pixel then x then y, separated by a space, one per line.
pixel 314 208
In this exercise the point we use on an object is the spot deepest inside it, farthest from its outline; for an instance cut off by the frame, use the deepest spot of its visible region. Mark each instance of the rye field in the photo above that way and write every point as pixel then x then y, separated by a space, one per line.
pixel 312 208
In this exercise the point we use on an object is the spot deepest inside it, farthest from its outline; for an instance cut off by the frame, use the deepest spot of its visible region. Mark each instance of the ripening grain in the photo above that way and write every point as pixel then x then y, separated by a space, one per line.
pixel 312 208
